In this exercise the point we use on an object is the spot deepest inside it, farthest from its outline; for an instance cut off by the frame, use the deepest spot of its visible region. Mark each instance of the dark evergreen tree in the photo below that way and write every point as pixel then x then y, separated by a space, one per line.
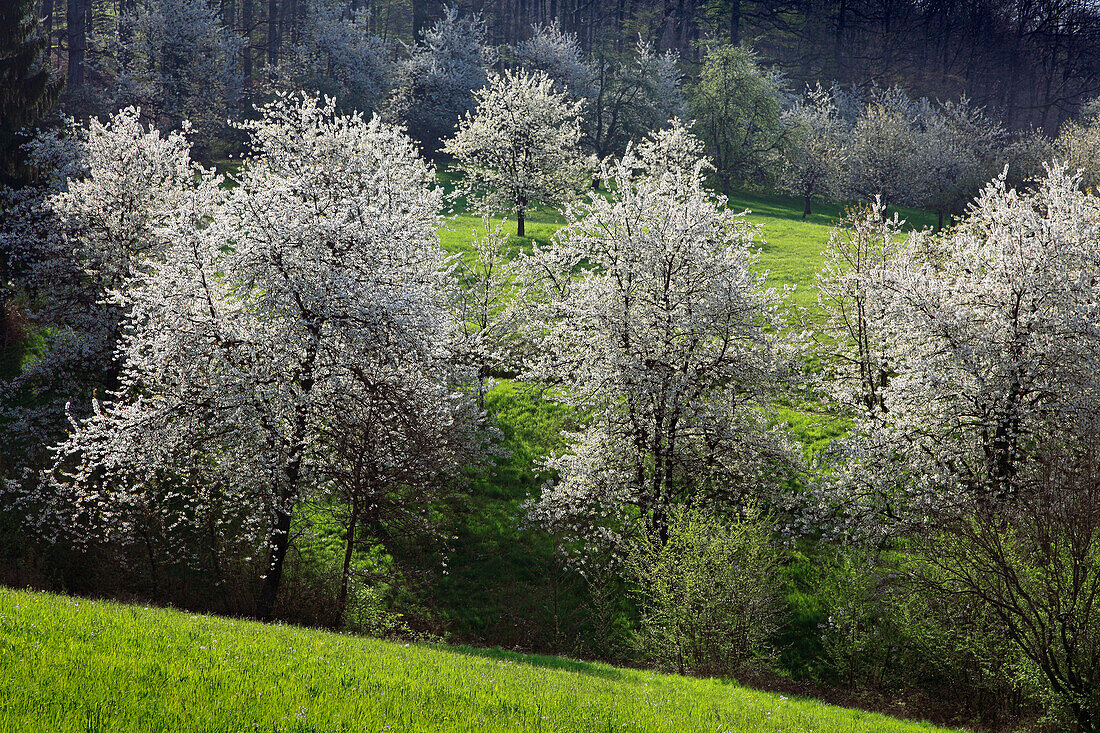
pixel 27 88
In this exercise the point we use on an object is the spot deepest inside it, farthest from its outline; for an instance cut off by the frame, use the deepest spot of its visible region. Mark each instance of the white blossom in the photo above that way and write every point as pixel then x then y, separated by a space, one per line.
pixel 558 54
pixel 632 96
pixel 92 227
pixel 177 61
pixel 885 157
pixel 813 147
pixel 961 148
pixel 653 324
pixel 337 54
pixel 992 338
pixel 321 270
pixel 436 83
pixel 1026 155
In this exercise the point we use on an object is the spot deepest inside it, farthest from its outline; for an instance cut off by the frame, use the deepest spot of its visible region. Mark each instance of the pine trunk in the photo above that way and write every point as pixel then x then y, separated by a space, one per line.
pixel 246 52
pixel 272 35
pixel 76 20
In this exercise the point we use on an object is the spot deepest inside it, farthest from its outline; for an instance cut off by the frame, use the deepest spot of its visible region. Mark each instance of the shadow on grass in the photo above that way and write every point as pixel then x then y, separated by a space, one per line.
pixel 825 213
pixel 535 660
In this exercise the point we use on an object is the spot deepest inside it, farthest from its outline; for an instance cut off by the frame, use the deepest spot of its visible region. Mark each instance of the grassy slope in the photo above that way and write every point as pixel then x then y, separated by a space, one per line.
pixel 77 665
pixel 790 246
pixel 63 663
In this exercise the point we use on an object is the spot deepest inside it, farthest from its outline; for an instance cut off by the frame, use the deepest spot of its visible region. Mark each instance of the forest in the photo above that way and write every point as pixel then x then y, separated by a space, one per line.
pixel 736 339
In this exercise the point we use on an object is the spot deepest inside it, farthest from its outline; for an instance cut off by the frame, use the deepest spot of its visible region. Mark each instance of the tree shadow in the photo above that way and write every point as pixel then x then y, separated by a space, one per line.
pixel 536 660
pixel 826 212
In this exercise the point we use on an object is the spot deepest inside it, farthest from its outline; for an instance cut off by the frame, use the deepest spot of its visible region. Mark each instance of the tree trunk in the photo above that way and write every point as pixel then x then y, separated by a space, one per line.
pixel 345 575
pixel 806 209
pixel 154 576
pixel 229 14
pixel 838 40
pixel 47 28
pixel 279 540
pixel 246 52
pixel 125 12
pixel 419 17
pixel 215 560
pixel 76 19
pixel 519 222
pixel 272 35
pixel 290 14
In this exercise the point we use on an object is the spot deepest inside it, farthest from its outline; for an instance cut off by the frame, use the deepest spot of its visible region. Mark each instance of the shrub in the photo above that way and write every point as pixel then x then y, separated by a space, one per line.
pixel 708 592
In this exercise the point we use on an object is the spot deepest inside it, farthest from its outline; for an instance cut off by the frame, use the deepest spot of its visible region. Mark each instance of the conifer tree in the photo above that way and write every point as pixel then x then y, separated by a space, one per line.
pixel 27 89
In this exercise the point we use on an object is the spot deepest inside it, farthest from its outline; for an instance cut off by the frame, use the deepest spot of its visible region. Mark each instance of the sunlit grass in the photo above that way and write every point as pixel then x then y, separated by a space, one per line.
pixel 790 247
pixel 77 665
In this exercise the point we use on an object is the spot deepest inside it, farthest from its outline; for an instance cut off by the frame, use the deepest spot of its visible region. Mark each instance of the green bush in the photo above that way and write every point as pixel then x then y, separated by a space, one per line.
pixel 708 594
pixel 887 632
pixel 861 638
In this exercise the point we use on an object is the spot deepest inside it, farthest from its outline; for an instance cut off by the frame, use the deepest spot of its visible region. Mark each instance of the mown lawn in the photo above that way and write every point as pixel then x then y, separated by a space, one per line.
pixel 78 665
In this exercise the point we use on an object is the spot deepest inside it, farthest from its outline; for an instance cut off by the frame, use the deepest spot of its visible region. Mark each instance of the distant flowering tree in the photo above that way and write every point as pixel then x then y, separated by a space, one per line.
pixel 177 61
pixel 652 322
pixel 849 101
pixel 737 106
pixel 1078 145
pixel 632 96
pixel 558 54
pixel 436 83
pixel 338 55
pixel 851 294
pixel 319 277
pixel 519 148
pixel 488 302
pixel 813 152
pixel 885 157
pixel 962 149
pixel 1026 154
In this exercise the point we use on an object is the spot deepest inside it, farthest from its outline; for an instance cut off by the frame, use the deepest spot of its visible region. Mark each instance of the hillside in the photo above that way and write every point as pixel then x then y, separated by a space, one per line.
pixel 78 665
pixel 790 246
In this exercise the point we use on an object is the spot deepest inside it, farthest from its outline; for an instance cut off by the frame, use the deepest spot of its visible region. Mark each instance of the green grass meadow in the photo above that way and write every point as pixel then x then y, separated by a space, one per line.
pixel 790 246
pixel 68 664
